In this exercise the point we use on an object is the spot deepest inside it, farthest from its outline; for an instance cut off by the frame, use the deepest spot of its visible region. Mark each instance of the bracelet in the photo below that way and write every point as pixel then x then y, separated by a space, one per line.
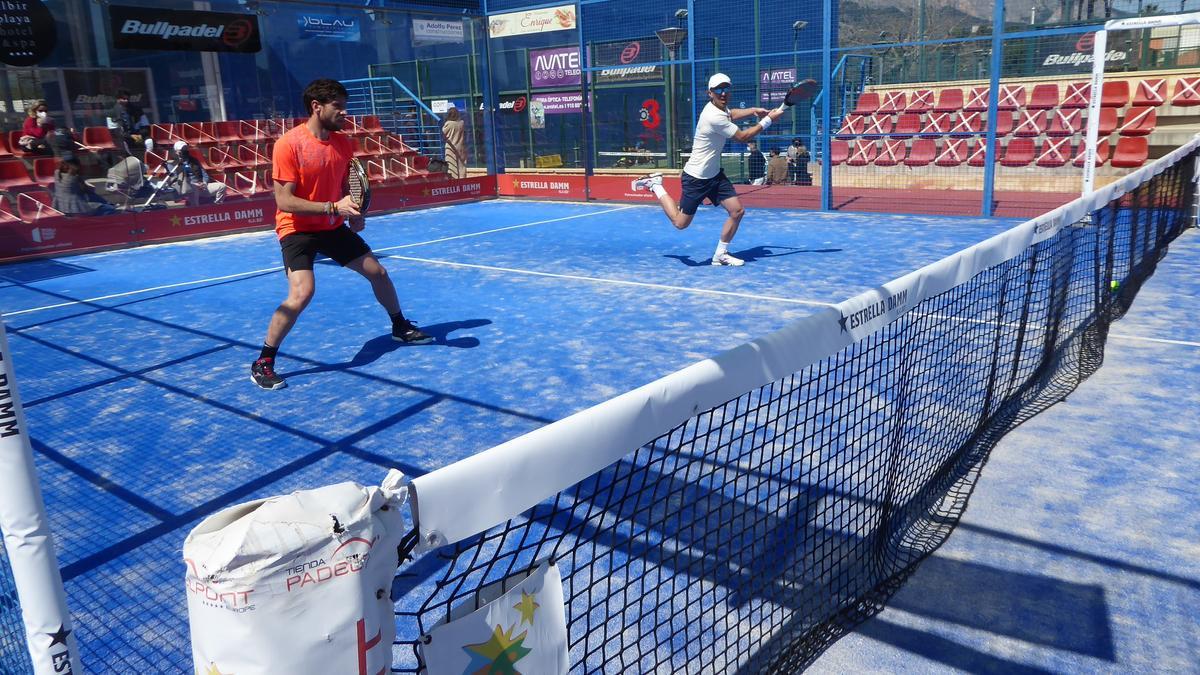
pixel 329 208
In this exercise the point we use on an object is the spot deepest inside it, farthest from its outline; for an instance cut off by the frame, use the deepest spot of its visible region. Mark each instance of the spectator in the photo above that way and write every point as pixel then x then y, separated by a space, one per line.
pixel 777 168
pixel 130 124
pixel 797 157
pixel 756 164
pixel 456 144
pixel 187 176
pixel 72 196
pixel 38 130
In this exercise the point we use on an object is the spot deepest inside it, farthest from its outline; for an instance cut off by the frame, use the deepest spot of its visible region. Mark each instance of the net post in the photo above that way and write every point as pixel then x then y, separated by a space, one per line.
pixel 826 84
pixel 1099 47
pixel 27 539
pixel 989 163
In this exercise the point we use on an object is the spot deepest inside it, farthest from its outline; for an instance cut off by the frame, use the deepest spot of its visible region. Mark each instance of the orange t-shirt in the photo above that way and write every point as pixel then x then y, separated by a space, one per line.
pixel 318 168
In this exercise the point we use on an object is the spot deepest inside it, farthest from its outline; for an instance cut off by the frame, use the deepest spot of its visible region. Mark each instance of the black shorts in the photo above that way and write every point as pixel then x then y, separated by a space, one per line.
pixel 695 190
pixel 341 244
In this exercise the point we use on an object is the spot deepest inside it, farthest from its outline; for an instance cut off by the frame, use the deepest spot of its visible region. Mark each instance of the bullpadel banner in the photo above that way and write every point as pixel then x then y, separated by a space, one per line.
pixel 183 30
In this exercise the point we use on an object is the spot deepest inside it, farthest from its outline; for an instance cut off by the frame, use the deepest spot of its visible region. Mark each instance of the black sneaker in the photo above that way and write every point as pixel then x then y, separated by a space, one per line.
pixel 263 374
pixel 405 331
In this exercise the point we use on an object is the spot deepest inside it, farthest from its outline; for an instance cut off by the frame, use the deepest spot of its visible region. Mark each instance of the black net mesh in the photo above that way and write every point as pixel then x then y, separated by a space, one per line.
pixel 754 534
pixel 14 655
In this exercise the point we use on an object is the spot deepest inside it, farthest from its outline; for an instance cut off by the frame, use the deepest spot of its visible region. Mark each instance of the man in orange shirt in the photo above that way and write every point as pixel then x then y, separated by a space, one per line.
pixel 311 165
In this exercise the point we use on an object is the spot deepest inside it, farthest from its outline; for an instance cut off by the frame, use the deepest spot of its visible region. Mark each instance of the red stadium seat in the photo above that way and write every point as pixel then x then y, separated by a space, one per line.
pixel 43 170
pixel 1078 95
pixel 1012 97
pixel 879 125
pixel 921 153
pixel 223 157
pixel 196 133
pixel 1139 122
pixel 164 135
pixel 921 101
pixel 892 152
pixel 1187 91
pixel 1131 152
pixel 154 161
pixel 1004 123
pixel 14 177
pixel 949 100
pixel 398 146
pixel 892 102
pixel 968 123
pixel 953 154
pixel 907 125
pixel 1115 94
pixel 376 145
pixel 1032 123
pixel 1150 92
pixel 7 214
pixel 868 103
pixel 937 124
pixel 1055 152
pixel 839 152
pixel 1018 152
pixel 257 131
pixel 1044 97
pixel 5 152
pixel 977 100
pixel 227 132
pixel 977 154
pixel 14 148
pixel 1101 153
pixel 33 206
pixel 98 138
pixel 1108 121
pixel 862 152
pixel 372 124
pixel 1065 122
pixel 853 125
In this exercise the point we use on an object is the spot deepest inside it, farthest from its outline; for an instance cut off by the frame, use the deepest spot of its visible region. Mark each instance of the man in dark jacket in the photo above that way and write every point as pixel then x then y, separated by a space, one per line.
pixel 129 125
pixel 756 164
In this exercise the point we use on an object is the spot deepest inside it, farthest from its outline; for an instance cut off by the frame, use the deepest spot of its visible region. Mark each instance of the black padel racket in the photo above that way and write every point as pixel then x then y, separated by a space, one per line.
pixel 800 92
pixel 360 185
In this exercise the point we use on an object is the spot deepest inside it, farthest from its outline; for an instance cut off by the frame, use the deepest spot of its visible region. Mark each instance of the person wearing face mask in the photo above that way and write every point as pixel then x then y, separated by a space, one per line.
pixel 703 178
pixel 190 180
pixel 38 130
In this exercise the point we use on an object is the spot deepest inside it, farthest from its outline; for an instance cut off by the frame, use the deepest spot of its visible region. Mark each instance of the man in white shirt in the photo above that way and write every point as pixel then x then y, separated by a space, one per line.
pixel 703 178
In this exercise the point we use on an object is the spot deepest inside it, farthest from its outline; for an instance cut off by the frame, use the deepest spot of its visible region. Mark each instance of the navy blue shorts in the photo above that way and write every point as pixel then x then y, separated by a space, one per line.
pixel 695 190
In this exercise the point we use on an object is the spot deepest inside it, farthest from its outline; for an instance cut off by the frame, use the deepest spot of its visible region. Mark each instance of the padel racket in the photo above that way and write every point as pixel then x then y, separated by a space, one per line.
pixel 799 92
pixel 360 185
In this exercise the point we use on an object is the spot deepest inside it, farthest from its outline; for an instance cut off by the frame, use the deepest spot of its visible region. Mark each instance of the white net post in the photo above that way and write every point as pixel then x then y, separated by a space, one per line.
pixel 1099 51
pixel 48 630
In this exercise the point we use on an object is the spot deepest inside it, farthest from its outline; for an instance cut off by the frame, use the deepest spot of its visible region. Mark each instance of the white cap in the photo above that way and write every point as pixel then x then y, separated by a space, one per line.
pixel 718 80
pixel 180 145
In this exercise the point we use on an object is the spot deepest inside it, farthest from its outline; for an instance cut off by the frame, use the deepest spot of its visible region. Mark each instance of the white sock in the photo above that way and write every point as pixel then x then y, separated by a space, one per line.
pixel 722 247
pixel 658 190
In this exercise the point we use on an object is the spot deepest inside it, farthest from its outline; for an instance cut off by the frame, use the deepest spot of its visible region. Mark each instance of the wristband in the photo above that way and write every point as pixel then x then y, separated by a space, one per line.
pixel 765 123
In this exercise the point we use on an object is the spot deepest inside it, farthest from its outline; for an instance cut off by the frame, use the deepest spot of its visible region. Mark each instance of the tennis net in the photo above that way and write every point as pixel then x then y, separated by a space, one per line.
pixel 745 512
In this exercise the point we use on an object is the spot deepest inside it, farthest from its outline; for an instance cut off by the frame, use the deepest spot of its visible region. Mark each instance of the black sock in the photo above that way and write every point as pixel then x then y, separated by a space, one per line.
pixel 398 317
pixel 268 352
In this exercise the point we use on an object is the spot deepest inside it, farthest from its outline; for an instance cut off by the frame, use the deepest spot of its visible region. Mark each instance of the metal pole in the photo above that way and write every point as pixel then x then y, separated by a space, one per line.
pixel 989 157
pixel 671 108
pixel 1093 121
pixel 826 81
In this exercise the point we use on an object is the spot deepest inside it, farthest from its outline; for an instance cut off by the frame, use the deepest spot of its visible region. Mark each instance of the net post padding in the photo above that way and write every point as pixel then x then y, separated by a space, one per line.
pixel 27 540
pixel 511 478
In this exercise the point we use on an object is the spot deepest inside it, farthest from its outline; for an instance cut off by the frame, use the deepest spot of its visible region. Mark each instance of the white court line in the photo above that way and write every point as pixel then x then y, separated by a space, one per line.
pixel 280 267
pixel 1136 338
pixel 616 282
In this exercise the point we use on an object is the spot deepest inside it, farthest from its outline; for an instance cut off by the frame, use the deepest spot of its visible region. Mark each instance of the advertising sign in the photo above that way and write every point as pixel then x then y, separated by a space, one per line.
pixel 556 67
pixel 437 31
pixel 1066 54
pixel 773 85
pixel 557 104
pixel 513 103
pixel 620 60
pixel 183 30
pixel 328 27
pixel 532 21
pixel 28 32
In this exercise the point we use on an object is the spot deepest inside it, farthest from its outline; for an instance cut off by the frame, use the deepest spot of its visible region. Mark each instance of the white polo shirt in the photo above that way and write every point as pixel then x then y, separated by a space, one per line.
pixel 714 128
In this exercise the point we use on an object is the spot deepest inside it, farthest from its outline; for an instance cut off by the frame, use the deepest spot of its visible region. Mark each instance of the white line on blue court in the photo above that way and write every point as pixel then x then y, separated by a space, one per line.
pixel 617 282
pixel 280 267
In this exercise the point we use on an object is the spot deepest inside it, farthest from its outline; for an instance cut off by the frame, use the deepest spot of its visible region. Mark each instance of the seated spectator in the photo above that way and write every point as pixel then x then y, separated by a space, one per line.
pixel 38 130
pixel 798 157
pixel 756 164
pixel 72 196
pixel 777 168
pixel 187 177
pixel 130 126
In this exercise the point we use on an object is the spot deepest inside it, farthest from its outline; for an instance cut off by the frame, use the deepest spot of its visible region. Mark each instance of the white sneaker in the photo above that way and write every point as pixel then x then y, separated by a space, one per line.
pixel 726 259
pixel 646 182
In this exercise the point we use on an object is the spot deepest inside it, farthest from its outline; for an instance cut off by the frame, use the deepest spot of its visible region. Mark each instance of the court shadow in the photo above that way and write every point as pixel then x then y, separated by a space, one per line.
pixel 40 270
pixel 754 254
pixel 376 347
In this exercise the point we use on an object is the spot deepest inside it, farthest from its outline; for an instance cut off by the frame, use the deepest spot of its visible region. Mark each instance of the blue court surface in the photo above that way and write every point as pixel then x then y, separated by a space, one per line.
pixel 133 367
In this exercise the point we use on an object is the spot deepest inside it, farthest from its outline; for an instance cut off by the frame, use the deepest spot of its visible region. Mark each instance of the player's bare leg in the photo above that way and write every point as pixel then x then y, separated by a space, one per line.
pixel 653 182
pixel 733 206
